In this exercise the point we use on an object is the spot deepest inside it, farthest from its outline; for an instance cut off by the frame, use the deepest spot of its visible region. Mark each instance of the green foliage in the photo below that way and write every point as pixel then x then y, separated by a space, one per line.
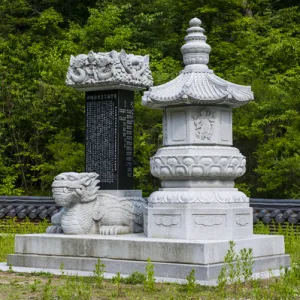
pixel 42 121
pixel 67 156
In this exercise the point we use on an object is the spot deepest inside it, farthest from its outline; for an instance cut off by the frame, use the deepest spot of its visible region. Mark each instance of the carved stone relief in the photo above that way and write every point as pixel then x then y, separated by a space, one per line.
pixel 171 221
pixel 204 197
pixel 209 166
pixel 204 124
pixel 109 68
pixel 209 220
pixel 242 220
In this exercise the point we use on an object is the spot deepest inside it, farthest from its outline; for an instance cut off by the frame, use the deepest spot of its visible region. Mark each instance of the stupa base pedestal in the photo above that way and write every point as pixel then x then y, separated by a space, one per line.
pixel 197 223
pixel 172 258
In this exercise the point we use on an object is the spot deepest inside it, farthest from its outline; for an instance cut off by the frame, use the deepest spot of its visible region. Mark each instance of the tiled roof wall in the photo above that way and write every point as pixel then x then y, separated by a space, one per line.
pixel 276 210
pixel 35 208
pixel 38 208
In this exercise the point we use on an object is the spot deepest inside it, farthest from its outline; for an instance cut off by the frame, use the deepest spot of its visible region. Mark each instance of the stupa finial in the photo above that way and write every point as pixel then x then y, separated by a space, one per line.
pixel 195 51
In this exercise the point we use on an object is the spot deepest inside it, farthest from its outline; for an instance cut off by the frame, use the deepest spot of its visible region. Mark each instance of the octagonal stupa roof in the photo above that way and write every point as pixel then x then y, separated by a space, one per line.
pixel 197 84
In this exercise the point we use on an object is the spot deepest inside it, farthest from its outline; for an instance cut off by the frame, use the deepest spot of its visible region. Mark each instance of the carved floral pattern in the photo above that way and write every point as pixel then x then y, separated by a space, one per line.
pixel 205 197
pixel 111 67
pixel 210 166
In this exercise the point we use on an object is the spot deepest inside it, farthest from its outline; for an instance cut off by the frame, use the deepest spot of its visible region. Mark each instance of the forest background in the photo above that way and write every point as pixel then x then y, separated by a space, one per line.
pixel 255 42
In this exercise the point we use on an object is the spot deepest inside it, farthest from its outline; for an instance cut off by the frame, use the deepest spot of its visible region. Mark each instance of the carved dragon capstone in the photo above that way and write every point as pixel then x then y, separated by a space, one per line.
pixel 109 69
pixel 88 211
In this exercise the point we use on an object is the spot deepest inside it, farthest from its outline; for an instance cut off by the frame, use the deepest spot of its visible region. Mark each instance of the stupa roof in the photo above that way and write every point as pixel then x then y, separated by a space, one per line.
pixel 197 84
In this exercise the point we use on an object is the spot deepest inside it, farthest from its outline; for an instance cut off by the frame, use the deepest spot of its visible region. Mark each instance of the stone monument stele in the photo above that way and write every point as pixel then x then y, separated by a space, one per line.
pixel 109 80
pixel 189 222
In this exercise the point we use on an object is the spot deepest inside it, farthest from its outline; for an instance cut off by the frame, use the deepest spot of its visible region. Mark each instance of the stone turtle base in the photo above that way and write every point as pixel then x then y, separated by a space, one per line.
pixel 128 253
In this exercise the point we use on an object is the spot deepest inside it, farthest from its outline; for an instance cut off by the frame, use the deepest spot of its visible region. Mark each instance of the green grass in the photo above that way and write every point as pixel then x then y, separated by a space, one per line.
pixel 10 227
pixel 291 235
pixel 45 286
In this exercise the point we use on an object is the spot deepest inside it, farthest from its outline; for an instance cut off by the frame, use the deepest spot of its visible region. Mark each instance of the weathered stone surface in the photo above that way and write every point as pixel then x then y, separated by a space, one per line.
pixel 139 248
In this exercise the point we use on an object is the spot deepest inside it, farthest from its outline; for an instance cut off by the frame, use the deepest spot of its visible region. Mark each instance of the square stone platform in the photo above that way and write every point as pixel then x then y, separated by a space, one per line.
pixel 129 253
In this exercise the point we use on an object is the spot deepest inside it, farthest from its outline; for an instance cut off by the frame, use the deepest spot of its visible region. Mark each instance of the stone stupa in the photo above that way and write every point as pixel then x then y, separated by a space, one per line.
pixel 198 164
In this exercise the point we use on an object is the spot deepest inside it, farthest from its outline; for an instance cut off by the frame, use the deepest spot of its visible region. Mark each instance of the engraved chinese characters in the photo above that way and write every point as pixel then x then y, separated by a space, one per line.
pixel 109 137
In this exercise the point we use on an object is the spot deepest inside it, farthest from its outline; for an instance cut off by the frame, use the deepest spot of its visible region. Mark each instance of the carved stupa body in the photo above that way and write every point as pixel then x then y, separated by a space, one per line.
pixel 197 164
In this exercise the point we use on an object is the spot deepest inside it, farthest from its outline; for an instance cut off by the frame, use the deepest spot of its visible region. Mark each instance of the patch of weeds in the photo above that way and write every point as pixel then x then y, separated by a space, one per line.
pixel 75 288
pixel 190 286
pixel 42 274
pixel 261 228
pixel 237 267
pixel 10 268
pixel 287 285
pixel 191 282
pixel 246 259
pixel 117 280
pixel 33 286
pixel 149 282
pixel 99 273
pixel 14 282
pixel 290 232
pixel 62 269
pixel 47 292
pixel 134 278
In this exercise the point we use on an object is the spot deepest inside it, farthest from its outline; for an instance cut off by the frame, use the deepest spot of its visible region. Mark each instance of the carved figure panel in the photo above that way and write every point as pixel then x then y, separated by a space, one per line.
pixel 204 122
